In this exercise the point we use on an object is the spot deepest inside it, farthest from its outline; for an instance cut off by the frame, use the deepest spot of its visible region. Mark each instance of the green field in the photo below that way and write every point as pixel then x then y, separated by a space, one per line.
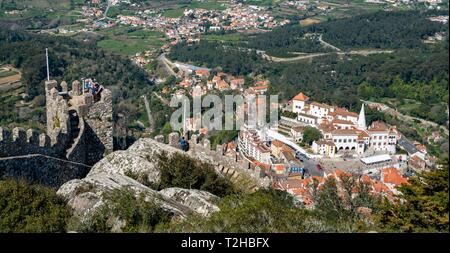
pixel 207 5
pixel 232 37
pixel 126 41
pixel 39 4
pixel 173 13
pixel 262 2
pixel 6 73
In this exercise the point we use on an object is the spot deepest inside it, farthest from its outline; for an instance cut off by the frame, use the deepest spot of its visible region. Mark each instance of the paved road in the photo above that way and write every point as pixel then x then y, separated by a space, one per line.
pixel 311 166
pixel 162 59
pixel 326 44
pixel 391 111
pixel 151 121
pixel 364 52
pixel 338 51
pixel 163 100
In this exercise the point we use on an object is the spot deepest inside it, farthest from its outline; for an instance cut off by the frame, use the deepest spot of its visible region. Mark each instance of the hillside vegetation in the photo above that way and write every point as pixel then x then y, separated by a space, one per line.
pixel 425 209
pixel 379 30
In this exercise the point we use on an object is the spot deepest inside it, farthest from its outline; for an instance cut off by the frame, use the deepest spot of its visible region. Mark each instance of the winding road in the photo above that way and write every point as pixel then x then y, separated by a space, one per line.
pixel 363 52
pixel 391 111
pixel 338 51
pixel 162 59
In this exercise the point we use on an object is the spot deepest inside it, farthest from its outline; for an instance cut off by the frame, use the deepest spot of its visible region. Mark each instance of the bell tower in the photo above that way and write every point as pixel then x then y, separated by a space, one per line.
pixel 362 119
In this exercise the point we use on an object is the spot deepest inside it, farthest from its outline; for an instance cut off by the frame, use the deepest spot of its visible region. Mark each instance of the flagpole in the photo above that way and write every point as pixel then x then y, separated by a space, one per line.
pixel 46 59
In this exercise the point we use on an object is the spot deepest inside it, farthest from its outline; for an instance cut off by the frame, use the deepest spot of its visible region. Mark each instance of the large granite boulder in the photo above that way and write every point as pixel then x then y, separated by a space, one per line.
pixel 118 170
pixel 125 162
pixel 99 183
pixel 200 202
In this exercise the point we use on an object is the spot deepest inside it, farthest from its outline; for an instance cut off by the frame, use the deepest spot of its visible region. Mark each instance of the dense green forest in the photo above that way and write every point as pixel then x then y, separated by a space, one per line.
pixel 379 30
pixel 214 54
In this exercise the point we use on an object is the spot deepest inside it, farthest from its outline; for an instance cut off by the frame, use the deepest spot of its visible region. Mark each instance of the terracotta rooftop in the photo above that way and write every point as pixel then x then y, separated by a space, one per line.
pixel 324 142
pixel 260 87
pixel 298 128
pixel 378 126
pixel 392 176
pixel 344 112
pixel 344 132
pixel 321 105
pixel 277 143
pixel 340 121
pixel 301 97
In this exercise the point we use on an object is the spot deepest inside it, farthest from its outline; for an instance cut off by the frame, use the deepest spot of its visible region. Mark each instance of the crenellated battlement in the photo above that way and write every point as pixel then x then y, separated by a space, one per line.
pixel 78 134
pixel 225 163
pixel 79 125
pixel 19 141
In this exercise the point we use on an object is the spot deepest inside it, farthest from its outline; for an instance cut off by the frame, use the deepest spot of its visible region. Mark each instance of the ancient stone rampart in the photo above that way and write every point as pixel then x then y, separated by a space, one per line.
pixel 42 169
pixel 79 133
pixel 239 171
pixel 19 141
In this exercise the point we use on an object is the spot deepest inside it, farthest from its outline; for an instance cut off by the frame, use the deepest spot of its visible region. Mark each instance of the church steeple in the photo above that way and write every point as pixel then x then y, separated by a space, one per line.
pixel 362 119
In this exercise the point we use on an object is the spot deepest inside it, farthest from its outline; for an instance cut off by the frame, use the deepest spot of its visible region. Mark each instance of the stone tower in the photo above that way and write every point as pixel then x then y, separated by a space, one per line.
pixel 362 119
pixel 79 124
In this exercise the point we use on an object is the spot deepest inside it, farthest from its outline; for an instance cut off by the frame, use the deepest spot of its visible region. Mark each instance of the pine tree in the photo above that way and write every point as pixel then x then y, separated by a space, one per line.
pixel 423 206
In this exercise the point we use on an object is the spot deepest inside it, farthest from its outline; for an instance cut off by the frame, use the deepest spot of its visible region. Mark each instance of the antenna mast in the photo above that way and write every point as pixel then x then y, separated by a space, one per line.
pixel 46 58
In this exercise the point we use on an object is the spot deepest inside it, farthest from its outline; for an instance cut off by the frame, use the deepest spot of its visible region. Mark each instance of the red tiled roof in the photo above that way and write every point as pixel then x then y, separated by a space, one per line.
pixel 391 176
pixel 344 132
pixel 277 143
pixel 301 97
pixel 344 112
pixel 298 129
pixel 231 145
pixel 378 126
pixel 279 167
pixel 324 142
pixel 260 87
pixel 262 165
pixel 340 121
pixel 202 72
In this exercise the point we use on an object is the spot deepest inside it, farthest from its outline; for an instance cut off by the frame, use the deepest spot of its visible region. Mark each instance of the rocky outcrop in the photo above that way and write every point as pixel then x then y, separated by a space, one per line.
pixel 124 162
pixel 86 195
pixel 200 202
pixel 112 172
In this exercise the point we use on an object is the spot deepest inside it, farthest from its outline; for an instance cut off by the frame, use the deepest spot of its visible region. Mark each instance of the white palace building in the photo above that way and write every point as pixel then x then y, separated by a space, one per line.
pixel 343 130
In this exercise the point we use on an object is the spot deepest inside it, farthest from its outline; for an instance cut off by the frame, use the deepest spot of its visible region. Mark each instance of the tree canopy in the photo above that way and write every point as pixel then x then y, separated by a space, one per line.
pixel 26 208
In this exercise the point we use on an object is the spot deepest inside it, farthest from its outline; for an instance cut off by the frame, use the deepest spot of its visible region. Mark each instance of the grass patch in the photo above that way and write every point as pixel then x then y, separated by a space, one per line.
pixel 127 41
pixel 232 37
pixel 173 13
pixel 6 73
pixel 207 6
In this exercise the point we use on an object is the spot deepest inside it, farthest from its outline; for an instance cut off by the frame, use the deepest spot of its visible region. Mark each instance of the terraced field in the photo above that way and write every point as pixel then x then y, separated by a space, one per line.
pixel 10 81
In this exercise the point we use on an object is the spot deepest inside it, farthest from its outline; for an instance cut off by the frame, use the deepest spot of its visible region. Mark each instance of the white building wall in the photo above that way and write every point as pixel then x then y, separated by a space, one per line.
pixel 298 106
pixel 343 142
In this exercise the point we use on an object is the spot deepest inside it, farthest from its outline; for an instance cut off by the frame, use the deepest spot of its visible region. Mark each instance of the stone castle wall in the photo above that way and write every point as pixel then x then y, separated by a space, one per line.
pixel 57 110
pixel 68 149
pixel 99 129
pixel 42 169
pixel 239 172
pixel 18 141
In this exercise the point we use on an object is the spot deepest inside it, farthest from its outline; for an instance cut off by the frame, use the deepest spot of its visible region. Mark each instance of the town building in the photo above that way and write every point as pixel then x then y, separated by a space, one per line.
pixel 341 129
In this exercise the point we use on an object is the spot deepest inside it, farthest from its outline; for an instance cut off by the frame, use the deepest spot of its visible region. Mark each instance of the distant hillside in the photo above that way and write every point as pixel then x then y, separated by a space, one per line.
pixel 40 4
pixel 385 30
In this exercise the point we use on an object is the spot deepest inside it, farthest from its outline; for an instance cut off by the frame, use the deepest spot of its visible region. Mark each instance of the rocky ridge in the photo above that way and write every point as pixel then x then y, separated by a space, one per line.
pixel 85 195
